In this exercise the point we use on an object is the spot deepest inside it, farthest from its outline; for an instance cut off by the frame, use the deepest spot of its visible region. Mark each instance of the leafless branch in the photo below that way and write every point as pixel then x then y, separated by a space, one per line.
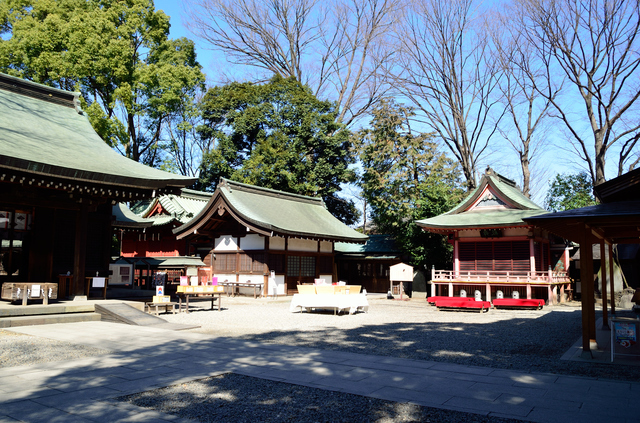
pixel 334 47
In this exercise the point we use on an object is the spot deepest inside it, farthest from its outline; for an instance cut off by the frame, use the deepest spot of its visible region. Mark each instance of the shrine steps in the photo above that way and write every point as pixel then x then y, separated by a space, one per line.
pixel 36 314
pixel 66 311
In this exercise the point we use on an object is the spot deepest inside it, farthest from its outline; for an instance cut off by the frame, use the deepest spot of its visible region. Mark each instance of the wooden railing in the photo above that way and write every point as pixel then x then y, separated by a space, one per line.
pixel 545 277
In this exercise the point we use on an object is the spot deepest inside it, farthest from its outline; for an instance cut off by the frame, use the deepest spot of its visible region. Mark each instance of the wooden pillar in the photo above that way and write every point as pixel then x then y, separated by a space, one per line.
pixel 528 291
pixel 587 295
pixel 80 254
pixel 488 292
pixel 603 284
pixel 265 289
pixel 611 282
pixel 532 257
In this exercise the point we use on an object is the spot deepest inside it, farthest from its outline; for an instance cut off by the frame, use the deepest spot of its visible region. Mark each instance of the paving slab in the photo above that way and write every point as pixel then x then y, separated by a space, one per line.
pixel 146 358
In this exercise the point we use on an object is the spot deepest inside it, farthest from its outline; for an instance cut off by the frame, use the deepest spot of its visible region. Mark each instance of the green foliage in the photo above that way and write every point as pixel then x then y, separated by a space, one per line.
pixel 117 53
pixel 570 191
pixel 405 179
pixel 277 135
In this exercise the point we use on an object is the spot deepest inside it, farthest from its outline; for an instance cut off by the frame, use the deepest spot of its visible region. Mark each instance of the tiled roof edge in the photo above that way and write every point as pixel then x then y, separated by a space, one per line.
pixel 231 185
pixel 40 91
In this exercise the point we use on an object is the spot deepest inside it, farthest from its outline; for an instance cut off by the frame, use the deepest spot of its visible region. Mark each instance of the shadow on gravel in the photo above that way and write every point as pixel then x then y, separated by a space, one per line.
pixel 189 377
pixel 516 344
pixel 239 398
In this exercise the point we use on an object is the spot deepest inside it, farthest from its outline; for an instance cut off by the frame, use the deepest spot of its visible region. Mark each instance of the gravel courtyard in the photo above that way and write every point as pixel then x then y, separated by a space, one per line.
pixel 509 339
pixel 532 340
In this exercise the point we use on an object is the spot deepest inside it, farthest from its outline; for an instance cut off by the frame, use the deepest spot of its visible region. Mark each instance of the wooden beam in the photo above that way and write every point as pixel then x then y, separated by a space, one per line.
pixel 611 282
pixel 587 293
pixel 603 284
pixel 80 254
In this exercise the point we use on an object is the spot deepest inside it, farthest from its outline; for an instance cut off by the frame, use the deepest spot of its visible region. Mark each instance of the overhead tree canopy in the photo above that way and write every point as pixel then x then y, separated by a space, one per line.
pixel 277 135
pixel 117 53
pixel 406 178
pixel 570 191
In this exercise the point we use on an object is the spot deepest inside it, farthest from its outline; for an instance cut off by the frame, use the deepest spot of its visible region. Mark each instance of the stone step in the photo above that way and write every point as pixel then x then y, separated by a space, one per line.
pixel 48 319
pixel 40 310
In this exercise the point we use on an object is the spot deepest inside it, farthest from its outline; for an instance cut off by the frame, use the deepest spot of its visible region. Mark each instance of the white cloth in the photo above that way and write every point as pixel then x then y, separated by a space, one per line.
pixel 97 283
pixel 337 302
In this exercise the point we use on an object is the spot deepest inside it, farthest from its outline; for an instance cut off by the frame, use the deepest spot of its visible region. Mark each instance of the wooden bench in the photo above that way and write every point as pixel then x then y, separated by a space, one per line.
pixel 234 288
pixel 167 307
pixel 462 304
pixel 199 291
pixel 518 303
pixel 433 299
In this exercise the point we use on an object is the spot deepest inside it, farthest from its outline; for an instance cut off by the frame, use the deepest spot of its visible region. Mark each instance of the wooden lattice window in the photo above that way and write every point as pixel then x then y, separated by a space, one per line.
pixel 505 256
pixel 308 266
pixel 257 265
pixel 225 263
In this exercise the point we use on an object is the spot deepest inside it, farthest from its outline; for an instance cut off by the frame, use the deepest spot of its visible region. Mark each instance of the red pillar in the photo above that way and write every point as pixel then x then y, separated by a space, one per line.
pixel 532 256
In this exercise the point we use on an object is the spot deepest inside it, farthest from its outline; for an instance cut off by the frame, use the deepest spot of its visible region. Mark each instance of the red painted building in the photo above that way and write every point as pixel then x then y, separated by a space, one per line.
pixel 495 250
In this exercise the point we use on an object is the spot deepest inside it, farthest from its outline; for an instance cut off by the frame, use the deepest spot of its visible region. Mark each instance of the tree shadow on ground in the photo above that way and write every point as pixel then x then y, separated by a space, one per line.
pixel 524 344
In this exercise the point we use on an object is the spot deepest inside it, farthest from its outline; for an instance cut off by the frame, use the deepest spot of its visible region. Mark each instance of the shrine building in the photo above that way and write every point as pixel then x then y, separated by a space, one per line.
pixel 58 182
pixel 495 253
pixel 147 242
pixel 249 234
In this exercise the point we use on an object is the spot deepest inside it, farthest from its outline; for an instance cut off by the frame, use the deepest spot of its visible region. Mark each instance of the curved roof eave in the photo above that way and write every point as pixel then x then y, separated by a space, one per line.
pixel 45 133
pixel 257 225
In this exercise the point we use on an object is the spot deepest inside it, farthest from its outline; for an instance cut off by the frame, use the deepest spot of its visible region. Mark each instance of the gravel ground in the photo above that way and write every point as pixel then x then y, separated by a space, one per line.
pixel 510 339
pixel 239 399
pixel 18 350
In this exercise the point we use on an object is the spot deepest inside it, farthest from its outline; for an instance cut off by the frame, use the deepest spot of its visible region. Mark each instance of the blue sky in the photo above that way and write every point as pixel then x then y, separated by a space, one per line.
pixel 206 57
pixel 503 160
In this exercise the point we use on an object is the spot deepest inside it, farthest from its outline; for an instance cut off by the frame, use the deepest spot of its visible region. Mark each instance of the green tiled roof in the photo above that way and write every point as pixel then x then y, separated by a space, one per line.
pixel 125 218
pixel 184 207
pixel 44 132
pixel 165 262
pixel 180 208
pixel 376 244
pixel 276 212
pixel 472 220
pixel 462 217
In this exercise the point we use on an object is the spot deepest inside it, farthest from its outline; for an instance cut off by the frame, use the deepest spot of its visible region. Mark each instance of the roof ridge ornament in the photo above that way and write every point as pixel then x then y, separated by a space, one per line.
pixel 77 104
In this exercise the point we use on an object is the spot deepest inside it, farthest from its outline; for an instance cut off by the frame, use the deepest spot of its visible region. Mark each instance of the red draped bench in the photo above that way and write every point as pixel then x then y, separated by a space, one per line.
pixel 518 303
pixel 435 298
pixel 462 303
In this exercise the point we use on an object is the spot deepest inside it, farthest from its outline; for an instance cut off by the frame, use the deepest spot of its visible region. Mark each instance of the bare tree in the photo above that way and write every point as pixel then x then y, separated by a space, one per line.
pixel 335 47
pixel 524 76
pixel 446 69
pixel 594 45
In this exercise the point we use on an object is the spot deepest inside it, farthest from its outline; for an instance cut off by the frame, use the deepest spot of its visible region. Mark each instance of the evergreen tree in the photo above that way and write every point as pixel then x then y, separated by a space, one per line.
pixel 406 178
pixel 277 135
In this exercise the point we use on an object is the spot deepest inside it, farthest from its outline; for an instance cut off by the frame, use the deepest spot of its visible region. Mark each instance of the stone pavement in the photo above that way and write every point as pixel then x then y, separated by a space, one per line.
pixel 147 358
